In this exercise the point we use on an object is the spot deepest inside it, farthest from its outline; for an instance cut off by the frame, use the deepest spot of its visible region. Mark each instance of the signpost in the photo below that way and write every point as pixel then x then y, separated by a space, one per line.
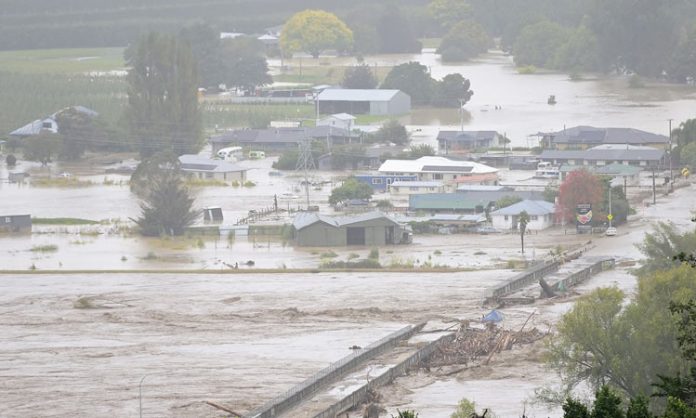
pixel 583 218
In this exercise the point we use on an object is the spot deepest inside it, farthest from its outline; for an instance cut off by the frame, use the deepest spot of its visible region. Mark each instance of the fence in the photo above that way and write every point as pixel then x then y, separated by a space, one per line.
pixel 584 274
pixel 521 280
pixel 358 396
pixel 335 371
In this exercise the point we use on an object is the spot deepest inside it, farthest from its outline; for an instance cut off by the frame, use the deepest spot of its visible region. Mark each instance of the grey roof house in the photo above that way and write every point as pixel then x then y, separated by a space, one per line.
pixel 207 169
pixel 583 137
pixel 49 124
pixel 364 102
pixel 278 139
pixel 15 223
pixel 455 142
pixel 464 202
pixel 640 156
pixel 541 215
pixel 373 228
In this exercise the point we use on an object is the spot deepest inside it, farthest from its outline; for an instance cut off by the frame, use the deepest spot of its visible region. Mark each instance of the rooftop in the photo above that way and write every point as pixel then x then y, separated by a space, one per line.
pixel 435 165
pixel 191 162
pixel 287 135
pixel 466 136
pixel 532 207
pixel 593 135
pixel 400 183
pixel 305 219
pixel 604 154
pixel 357 95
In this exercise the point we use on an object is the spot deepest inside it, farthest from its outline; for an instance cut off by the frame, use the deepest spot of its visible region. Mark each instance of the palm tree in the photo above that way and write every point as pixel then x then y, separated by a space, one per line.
pixel 523 220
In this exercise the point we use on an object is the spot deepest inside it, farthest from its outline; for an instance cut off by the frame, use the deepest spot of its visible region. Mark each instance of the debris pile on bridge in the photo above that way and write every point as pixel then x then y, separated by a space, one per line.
pixel 469 344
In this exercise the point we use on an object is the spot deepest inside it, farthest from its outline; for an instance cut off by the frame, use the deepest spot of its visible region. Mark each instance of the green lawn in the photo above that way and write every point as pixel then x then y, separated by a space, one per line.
pixel 62 61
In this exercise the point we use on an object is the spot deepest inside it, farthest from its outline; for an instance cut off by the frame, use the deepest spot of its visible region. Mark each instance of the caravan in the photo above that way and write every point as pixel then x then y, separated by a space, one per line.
pixel 231 154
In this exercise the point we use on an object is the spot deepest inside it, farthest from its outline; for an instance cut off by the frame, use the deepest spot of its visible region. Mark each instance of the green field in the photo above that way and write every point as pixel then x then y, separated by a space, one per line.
pixel 62 61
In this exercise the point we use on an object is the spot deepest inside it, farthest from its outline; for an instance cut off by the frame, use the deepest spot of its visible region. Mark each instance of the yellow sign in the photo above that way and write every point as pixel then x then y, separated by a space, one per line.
pixel 610 216
pixel 685 172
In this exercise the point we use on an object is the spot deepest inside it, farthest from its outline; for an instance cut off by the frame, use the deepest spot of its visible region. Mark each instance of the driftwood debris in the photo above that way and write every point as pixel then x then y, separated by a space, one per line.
pixel 548 290
pixel 222 408
pixel 470 344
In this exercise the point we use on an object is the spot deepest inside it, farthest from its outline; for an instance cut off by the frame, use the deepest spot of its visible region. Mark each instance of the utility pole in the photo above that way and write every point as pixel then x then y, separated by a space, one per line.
pixel 305 162
pixel 671 176
pixel 461 114
pixel 653 178
pixel 611 216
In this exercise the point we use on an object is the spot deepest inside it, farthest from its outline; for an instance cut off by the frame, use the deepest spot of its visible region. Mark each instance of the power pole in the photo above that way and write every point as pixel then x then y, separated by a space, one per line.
pixel 671 176
pixel 611 215
pixel 305 162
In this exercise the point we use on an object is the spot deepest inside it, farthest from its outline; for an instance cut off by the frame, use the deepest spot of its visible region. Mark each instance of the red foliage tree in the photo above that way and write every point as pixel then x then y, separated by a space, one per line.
pixel 580 186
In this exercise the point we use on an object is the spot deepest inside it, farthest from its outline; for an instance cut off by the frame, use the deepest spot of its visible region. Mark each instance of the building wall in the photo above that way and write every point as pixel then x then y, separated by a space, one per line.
pixel 407 190
pixel 15 223
pixel 541 222
pixel 239 176
pixel 399 104
pixel 321 235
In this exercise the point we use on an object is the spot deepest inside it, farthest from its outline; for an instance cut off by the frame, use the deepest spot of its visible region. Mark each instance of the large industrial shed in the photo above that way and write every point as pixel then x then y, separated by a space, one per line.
pixel 364 102
pixel 373 229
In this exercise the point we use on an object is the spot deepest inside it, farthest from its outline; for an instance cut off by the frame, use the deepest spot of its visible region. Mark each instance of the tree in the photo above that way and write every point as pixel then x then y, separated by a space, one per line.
pixel 162 111
pixel 539 43
pixel 574 409
pixel 167 209
pixel 43 147
pixel 359 77
pixel 453 91
pixel 523 220
pixel 682 67
pixel 244 64
pixel 78 131
pixel 607 404
pixel 579 187
pixel 687 155
pixel 464 41
pixel 448 13
pixel 506 201
pixel 420 150
pixel 204 42
pixel 405 414
pixel 394 32
pixel 684 135
pixel 660 247
pixel 392 131
pixel 638 408
pixel 580 52
pixel 314 31
pixel 413 79
pixel 351 189
pixel 11 160
pixel 603 342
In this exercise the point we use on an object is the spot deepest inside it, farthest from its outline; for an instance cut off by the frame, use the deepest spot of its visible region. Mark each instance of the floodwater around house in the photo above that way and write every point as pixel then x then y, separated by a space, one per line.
pixel 603 101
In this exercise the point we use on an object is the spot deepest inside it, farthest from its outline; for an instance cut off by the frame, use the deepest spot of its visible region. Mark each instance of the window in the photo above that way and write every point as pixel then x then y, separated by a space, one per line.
pixel 209 175
pixel 376 181
pixel 413 189
pixel 47 125
pixel 8 220
pixel 535 217
pixel 506 217
pixel 437 176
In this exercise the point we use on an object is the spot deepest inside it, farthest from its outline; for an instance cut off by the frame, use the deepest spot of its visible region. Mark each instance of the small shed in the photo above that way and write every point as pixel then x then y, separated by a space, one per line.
pixel 15 223
pixel 339 120
pixel 368 229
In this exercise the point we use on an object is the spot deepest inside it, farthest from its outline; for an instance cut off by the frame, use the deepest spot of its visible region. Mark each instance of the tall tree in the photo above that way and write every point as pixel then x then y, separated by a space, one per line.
pixel 162 111
pixel 350 189
pixel 448 13
pixel 244 64
pixel 413 79
pixel 43 147
pixel 580 187
pixel 359 77
pixel 314 31
pixel 539 43
pixel 452 91
pixel 464 41
pixel 79 131
pixel 167 207
pixel 394 32
pixel 205 47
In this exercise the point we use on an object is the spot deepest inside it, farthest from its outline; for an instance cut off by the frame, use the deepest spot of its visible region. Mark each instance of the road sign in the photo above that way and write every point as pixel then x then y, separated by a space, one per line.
pixel 610 216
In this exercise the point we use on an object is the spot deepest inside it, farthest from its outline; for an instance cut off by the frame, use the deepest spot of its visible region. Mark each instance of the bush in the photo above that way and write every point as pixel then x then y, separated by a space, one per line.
pixel 374 254
pixel 11 160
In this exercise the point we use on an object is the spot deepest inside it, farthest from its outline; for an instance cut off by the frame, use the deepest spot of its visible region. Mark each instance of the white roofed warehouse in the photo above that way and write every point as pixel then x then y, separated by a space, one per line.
pixel 364 102
pixel 206 169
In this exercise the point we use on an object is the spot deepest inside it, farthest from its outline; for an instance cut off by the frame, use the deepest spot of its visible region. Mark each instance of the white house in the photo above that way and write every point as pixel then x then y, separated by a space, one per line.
pixel 338 120
pixel 406 188
pixel 207 169
pixel 442 169
pixel 541 215
pixel 50 123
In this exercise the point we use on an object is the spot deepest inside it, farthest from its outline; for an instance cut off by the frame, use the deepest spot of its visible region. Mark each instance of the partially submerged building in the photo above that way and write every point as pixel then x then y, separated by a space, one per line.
pixel 49 124
pixel 15 223
pixel 364 102
pixel 206 169
pixel 312 229
pixel 280 139
pixel 464 142
pixel 640 156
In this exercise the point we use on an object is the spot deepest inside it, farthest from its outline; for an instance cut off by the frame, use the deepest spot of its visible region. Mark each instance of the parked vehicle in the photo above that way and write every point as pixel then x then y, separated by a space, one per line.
pixel 231 153
pixel 256 155
pixel 486 229
pixel 610 232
